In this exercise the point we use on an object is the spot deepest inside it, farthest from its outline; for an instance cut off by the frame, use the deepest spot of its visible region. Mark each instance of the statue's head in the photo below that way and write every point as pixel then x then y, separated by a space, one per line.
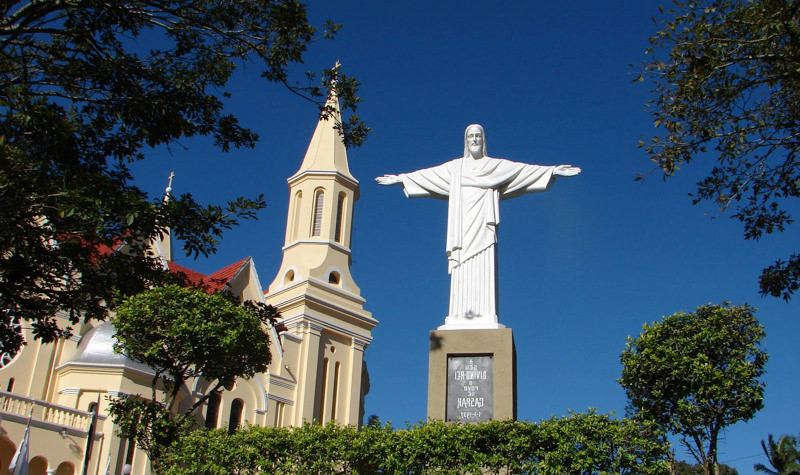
pixel 474 142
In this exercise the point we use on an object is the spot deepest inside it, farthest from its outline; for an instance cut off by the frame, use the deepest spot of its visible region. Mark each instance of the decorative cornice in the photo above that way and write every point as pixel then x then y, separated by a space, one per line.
pixel 304 319
pixel 312 326
pixel 292 336
pixel 275 397
pixel 280 381
pixel 326 242
pixel 357 316
pixel 125 368
pixel 65 316
pixel 336 290
pixel 332 173
pixel 325 303
pixel 363 344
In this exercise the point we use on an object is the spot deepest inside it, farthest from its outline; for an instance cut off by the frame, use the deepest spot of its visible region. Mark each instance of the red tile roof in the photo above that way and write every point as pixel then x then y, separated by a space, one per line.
pixel 194 277
pixel 209 283
pixel 228 272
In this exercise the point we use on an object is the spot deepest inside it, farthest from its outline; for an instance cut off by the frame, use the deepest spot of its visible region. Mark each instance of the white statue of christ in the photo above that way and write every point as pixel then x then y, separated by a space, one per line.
pixel 474 186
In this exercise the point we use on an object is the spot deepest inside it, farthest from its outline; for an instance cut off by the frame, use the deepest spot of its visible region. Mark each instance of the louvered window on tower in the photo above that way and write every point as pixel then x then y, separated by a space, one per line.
pixel 339 218
pixel 319 200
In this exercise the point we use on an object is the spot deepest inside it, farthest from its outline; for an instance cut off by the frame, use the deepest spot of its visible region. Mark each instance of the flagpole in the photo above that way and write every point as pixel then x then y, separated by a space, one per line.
pixel 87 455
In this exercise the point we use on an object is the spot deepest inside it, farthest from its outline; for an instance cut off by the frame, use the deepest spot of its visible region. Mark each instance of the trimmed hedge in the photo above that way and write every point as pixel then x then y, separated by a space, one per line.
pixel 585 443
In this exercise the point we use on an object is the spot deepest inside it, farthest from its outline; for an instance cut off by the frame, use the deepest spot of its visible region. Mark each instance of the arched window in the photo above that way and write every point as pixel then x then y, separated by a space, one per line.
pixel 334 278
pixel 279 410
pixel 288 278
pixel 212 412
pixel 335 401
pixel 237 406
pixel 316 225
pixel 295 229
pixel 323 391
pixel 340 217
pixel 129 451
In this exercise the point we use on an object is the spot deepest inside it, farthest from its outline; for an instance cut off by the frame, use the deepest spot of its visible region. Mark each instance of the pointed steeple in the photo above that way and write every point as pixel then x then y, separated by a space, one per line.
pixel 320 304
pixel 327 152
pixel 320 219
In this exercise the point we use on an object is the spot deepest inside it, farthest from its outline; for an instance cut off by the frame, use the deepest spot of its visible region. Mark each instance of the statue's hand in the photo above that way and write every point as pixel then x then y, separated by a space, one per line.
pixel 566 170
pixel 388 180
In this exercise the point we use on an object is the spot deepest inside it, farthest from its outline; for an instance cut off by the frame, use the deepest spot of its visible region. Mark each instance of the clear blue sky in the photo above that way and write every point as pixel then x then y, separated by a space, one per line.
pixel 581 267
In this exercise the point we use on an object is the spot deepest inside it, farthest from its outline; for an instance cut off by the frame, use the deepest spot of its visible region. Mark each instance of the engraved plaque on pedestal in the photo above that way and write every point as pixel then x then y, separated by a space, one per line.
pixel 472 375
pixel 470 390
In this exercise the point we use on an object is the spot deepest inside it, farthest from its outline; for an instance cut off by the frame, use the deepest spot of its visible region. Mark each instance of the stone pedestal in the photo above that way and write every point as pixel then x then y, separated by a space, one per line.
pixel 472 375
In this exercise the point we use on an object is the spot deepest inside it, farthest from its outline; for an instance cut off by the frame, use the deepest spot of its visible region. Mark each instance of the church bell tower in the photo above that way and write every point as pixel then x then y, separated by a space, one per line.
pixel 322 311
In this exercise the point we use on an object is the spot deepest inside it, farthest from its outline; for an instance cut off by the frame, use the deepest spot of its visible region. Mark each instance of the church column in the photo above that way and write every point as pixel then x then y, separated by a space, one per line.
pixel 307 371
pixel 353 399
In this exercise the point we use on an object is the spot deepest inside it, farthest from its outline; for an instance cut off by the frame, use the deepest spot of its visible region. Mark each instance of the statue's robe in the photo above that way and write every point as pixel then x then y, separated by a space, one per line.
pixel 474 189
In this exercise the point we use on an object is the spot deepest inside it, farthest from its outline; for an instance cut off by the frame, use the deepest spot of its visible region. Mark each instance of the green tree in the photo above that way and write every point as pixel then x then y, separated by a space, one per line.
pixel 89 86
pixel 683 468
pixel 374 421
pixel 696 373
pixel 727 87
pixel 183 333
pixel 596 443
pixel 783 456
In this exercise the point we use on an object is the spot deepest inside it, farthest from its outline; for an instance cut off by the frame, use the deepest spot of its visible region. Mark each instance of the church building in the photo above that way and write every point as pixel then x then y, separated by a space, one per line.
pixel 318 372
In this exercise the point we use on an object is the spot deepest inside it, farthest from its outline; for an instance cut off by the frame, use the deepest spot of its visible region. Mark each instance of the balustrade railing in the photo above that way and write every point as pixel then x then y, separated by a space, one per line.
pixel 45 411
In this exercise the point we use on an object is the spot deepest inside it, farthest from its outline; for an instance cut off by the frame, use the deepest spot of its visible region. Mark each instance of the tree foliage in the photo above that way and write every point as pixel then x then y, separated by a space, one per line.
pixel 696 373
pixel 683 468
pixel 86 88
pixel 181 334
pixel 782 454
pixel 727 87
pixel 587 443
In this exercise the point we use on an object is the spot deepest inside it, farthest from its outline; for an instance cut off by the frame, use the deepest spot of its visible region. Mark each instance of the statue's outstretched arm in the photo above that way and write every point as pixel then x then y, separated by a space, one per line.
pixel 388 180
pixel 566 170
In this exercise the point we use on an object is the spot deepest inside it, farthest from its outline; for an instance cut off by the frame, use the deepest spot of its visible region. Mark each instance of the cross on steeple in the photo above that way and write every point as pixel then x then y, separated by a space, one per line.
pixel 168 189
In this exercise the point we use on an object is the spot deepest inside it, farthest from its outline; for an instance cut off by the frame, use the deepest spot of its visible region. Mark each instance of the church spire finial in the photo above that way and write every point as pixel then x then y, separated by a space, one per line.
pixel 332 95
pixel 168 189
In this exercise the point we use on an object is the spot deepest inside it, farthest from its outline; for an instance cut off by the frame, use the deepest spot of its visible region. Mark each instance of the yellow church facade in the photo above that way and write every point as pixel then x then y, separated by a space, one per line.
pixel 318 372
